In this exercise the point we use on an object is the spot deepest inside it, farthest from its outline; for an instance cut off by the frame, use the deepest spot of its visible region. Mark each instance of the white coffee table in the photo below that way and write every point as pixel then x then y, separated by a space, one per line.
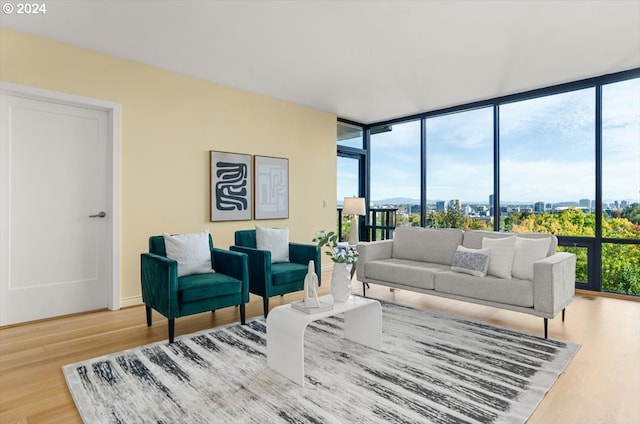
pixel 285 332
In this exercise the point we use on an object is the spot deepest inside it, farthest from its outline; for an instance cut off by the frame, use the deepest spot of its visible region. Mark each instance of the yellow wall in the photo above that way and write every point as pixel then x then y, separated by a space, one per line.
pixel 170 122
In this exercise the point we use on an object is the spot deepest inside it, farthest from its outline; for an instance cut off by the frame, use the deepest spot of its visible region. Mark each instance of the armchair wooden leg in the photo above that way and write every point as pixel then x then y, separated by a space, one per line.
pixel 364 290
pixel 242 314
pixel 265 305
pixel 546 326
pixel 563 314
pixel 172 329
pixel 149 318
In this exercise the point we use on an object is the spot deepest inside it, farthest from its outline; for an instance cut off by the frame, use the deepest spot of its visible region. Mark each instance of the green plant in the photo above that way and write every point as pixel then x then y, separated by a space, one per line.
pixel 337 254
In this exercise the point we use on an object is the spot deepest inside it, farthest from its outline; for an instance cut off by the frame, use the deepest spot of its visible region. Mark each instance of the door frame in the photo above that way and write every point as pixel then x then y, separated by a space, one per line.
pixel 113 159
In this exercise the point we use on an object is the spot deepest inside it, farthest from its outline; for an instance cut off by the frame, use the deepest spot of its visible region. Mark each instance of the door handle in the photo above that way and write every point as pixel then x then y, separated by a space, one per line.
pixel 98 215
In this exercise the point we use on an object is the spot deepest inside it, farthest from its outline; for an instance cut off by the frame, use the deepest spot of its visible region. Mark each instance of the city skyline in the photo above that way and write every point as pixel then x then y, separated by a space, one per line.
pixel 480 202
pixel 395 201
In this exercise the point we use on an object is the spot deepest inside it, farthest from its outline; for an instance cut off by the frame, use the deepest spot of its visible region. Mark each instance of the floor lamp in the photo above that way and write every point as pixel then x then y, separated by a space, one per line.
pixel 355 207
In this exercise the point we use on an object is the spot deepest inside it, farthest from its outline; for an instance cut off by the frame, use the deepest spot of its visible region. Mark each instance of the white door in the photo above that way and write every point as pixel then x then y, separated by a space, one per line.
pixel 55 220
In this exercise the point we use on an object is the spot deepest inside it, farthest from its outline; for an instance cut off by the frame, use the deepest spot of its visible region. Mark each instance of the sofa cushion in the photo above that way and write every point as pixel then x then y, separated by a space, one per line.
pixel 491 289
pixel 405 272
pixel 527 252
pixel 473 238
pixel 501 253
pixel 426 245
pixel 471 261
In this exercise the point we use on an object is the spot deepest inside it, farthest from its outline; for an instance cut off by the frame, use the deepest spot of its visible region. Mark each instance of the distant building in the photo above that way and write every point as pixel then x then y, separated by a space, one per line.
pixel 440 206
pixel 585 203
pixel 538 207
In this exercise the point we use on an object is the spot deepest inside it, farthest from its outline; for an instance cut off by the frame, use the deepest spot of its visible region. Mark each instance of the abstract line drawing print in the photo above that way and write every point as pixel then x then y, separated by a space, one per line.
pixel 271 187
pixel 231 186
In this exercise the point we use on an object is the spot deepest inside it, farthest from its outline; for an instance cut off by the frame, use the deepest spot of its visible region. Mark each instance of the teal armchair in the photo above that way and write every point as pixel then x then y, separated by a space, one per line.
pixel 175 297
pixel 268 279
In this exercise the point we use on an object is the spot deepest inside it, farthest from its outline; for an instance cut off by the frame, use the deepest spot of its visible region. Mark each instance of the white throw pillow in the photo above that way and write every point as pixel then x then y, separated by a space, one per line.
pixel 502 251
pixel 471 261
pixel 276 240
pixel 191 251
pixel 528 251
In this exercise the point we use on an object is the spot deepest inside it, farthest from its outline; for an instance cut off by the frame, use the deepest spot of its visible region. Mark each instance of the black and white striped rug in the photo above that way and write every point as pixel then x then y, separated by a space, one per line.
pixel 432 369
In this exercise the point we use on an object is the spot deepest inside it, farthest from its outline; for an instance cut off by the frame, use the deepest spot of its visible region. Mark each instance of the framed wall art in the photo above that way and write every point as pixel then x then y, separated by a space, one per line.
pixel 271 200
pixel 231 186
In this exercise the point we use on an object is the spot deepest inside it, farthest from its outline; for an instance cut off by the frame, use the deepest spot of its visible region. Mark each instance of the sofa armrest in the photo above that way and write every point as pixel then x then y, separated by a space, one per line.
pixel 301 253
pixel 233 264
pixel 554 282
pixel 372 251
pixel 159 279
pixel 259 269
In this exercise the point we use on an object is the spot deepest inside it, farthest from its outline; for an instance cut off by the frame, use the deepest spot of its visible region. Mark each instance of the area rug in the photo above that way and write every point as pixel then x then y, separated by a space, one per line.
pixel 431 369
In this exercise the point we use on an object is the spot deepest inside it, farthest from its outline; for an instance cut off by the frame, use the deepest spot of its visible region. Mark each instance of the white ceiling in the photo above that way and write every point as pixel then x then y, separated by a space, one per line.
pixel 363 60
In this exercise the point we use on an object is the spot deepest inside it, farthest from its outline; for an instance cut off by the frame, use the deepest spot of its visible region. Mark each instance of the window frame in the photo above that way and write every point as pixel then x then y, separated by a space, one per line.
pixel 593 244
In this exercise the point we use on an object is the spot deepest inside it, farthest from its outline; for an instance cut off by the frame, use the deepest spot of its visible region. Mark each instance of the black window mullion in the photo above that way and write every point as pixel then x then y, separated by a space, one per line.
pixel 423 172
pixel 595 271
pixel 496 168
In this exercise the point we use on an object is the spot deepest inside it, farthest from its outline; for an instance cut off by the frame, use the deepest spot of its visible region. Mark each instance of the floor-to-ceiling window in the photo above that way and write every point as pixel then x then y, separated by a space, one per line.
pixel 395 170
pixel 621 187
pixel 350 170
pixel 459 168
pixel 547 164
pixel 563 160
pixel 547 168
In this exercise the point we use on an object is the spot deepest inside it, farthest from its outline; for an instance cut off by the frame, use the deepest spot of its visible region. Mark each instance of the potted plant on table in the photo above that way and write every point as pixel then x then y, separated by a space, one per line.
pixel 344 257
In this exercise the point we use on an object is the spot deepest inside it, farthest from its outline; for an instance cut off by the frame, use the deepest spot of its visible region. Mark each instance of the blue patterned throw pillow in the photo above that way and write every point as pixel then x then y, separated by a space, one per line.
pixel 471 261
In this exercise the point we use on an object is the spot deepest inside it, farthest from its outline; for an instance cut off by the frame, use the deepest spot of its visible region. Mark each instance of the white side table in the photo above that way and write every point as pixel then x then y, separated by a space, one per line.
pixel 286 326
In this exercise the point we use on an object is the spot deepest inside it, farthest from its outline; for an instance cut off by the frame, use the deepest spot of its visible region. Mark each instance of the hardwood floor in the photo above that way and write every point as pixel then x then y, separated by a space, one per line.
pixel 600 385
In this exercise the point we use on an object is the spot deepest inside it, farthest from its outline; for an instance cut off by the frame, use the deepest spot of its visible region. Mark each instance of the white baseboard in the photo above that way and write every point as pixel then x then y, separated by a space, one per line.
pixel 130 301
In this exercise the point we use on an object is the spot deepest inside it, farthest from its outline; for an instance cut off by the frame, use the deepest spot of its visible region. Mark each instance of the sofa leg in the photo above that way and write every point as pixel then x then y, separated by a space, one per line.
pixel 265 305
pixel 364 290
pixel 149 319
pixel 563 314
pixel 546 327
pixel 242 314
pixel 172 329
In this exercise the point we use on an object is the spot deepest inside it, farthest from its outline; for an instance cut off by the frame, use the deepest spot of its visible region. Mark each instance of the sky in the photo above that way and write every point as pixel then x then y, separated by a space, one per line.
pixel 547 152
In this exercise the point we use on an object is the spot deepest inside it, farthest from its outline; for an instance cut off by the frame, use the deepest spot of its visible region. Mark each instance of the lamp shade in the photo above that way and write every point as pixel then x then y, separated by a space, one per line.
pixel 353 206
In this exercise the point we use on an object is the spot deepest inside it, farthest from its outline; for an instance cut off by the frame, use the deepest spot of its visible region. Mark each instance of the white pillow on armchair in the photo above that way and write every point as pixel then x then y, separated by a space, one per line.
pixel 275 240
pixel 191 251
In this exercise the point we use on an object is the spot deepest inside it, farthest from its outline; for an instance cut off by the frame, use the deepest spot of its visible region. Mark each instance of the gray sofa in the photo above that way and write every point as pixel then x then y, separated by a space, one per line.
pixel 421 260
